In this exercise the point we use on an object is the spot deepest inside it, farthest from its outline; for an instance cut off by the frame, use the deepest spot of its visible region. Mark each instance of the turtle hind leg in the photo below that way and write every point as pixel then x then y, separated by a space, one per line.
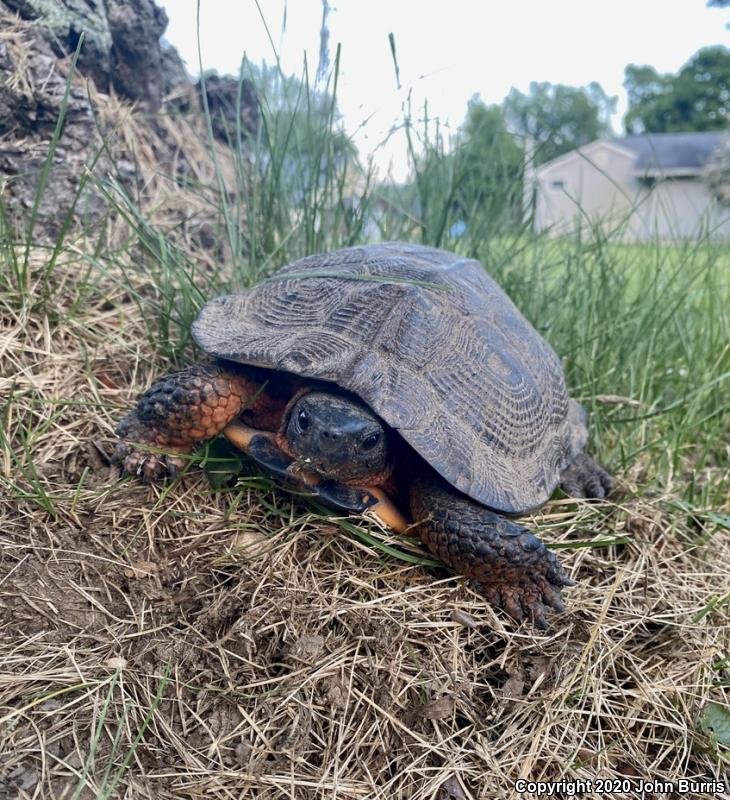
pixel 176 414
pixel 510 566
pixel 584 477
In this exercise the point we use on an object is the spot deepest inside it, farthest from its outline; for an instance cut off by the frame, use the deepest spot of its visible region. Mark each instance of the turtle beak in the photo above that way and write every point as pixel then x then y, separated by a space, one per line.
pixel 306 465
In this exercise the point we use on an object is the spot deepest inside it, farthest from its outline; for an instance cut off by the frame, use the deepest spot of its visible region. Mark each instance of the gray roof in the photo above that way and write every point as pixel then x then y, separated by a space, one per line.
pixel 671 151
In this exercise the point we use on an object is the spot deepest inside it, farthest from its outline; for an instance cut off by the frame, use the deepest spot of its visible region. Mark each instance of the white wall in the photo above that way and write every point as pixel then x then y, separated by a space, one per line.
pixel 599 189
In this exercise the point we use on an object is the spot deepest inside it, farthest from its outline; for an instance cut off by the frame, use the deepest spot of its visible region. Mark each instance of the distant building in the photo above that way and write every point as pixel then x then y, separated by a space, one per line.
pixel 637 188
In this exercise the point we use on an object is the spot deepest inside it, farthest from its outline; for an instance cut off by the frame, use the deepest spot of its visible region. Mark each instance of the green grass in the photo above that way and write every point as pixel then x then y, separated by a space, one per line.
pixel 644 331
pixel 649 323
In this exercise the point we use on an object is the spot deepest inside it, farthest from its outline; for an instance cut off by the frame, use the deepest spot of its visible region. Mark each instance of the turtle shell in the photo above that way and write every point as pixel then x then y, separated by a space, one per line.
pixel 432 344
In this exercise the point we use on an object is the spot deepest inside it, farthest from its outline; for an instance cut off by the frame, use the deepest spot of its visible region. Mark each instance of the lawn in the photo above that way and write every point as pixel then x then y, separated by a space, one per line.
pixel 186 641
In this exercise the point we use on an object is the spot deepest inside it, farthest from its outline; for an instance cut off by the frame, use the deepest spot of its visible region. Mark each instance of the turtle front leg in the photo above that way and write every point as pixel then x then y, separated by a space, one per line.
pixel 179 412
pixel 510 566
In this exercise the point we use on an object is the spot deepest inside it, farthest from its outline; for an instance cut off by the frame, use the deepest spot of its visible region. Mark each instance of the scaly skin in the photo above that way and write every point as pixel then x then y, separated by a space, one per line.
pixel 512 568
pixel 584 477
pixel 179 412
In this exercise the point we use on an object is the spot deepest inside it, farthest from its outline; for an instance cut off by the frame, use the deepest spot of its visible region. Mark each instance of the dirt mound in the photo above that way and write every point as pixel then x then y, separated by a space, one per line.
pixel 129 113
pixel 178 642
pixel 122 49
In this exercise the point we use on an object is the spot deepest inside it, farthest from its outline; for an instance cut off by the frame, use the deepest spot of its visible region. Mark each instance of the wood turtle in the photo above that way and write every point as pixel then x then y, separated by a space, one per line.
pixel 393 378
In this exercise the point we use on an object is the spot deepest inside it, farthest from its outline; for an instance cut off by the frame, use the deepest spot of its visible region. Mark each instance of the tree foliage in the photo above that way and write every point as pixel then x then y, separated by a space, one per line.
pixel 474 180
pixel 559 118
pixel 490 161
pixel 697 98
pixel 300 116
pixel 297 168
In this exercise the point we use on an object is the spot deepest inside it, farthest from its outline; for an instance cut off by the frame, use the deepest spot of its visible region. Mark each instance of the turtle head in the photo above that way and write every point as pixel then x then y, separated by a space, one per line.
pixel 338 437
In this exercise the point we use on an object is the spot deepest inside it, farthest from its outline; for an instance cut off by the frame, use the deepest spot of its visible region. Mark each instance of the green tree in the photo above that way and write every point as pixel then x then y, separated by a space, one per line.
pixel 697 98
pixel 473 180
pixel 490 163
pixel 559 118
pixel 303 163
pixel 301 121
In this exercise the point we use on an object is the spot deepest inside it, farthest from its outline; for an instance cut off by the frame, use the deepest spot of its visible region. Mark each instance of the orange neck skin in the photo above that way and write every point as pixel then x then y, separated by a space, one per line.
pixel 384 478
pixel 281 440
pixel 270 394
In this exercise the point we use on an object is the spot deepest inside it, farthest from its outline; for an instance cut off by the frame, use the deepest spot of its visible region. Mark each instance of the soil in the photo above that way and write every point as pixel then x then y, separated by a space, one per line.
pixel 176 641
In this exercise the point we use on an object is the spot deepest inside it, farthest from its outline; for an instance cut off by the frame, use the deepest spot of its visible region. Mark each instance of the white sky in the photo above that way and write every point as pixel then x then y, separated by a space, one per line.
pixel 447 51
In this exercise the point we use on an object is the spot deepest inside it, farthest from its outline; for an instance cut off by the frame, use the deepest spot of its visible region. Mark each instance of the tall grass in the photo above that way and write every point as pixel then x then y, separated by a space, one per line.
pixel 644 331
pixel 646 326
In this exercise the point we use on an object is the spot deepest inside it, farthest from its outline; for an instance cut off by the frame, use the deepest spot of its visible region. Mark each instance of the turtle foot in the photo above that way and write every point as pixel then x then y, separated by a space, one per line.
pixel 140 462
pixel 175 415
pixel 584 477
pixel 510 566
pixel 526 599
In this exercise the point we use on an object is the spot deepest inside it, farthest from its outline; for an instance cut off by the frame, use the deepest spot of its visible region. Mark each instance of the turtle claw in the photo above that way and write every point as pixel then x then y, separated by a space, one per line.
pixel 513 603
pixel 523 601
pixel 146 465
pixel 550 596
pixel 529 592
pixel 158 466
pixel 535 612
pixel 525 596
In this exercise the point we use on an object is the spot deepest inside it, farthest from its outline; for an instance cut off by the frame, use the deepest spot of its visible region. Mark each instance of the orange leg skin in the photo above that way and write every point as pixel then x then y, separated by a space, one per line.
pixel 387 513
pixel 179 412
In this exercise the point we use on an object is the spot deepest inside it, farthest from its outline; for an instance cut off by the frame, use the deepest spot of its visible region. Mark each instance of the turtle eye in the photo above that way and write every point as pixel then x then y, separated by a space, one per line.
pixel 303 420
pixel 370 441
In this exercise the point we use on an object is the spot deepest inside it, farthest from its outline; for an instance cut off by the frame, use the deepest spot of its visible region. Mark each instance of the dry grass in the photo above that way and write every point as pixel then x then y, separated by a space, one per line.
pixel 175 642
pixel 172 642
